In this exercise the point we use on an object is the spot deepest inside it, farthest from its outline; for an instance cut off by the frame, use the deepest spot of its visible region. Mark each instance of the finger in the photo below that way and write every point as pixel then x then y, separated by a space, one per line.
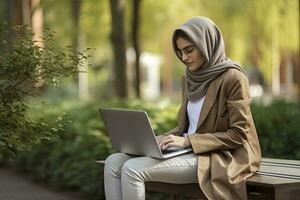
pixel 168 140
pixel 167 146
pixel 161 142
pixel 165 141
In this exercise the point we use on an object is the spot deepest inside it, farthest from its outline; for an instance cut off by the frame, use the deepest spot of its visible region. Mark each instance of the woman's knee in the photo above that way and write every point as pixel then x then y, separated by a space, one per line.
pixel 135 168
pixel 115 161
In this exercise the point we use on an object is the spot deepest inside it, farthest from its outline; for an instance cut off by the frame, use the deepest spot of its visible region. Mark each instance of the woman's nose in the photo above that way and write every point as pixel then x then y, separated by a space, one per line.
pixel 184 57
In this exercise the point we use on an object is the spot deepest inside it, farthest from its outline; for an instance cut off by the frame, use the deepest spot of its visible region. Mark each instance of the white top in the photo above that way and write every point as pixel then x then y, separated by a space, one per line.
pixel 193 111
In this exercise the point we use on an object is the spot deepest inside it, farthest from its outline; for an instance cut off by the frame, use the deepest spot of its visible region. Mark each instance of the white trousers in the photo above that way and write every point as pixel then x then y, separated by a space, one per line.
pixel 125 175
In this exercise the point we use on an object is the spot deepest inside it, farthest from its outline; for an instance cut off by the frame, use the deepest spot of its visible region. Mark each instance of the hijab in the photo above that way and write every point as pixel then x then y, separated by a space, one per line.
pixel 207 37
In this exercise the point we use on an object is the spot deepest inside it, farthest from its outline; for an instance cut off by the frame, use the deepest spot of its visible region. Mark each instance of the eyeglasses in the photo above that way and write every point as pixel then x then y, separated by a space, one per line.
pixel 187 51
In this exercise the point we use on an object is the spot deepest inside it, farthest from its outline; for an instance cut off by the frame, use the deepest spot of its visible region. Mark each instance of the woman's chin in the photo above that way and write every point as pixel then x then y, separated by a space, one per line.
pixel 192 68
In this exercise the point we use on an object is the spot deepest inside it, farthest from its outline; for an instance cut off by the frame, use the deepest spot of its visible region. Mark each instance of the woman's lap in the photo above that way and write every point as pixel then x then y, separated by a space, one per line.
pixel 179 169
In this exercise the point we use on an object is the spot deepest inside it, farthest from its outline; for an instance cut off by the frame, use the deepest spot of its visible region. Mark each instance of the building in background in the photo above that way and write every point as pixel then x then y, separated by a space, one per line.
pixel 150 74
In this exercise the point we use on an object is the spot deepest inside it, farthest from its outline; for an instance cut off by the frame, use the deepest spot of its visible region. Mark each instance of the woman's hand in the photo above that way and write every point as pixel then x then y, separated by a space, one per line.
pixel 167 141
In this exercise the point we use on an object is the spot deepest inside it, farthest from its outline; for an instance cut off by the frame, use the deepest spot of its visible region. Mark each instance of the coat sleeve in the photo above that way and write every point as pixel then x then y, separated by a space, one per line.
pixel 239 118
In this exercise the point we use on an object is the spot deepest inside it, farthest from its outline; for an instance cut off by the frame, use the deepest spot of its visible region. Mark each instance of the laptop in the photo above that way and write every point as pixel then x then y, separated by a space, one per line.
pixel 130 132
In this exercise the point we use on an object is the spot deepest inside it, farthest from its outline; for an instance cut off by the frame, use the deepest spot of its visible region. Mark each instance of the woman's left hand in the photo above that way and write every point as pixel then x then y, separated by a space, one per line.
pixel 172 140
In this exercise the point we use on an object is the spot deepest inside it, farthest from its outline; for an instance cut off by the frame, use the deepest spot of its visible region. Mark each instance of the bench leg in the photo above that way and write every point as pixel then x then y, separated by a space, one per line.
pixel 174 197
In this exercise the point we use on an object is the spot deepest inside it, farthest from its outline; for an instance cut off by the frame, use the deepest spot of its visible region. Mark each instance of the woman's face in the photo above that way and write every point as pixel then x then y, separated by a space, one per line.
pixel 189 54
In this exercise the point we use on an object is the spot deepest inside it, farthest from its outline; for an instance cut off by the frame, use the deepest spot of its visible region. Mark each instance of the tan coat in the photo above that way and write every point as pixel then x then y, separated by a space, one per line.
pixel 225 141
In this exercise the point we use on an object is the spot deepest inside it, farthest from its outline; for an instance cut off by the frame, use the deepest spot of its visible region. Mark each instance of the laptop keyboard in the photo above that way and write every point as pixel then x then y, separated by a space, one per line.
pixel 171 150
pixel 166 151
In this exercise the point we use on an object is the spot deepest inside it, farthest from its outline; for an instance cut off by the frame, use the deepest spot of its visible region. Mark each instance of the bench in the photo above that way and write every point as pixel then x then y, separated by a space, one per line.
pixel 277 179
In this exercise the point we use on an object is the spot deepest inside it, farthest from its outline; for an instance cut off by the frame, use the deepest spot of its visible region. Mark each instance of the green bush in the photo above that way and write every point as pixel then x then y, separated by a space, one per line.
pixel 278 129
pixel 25 68
pixel 68 162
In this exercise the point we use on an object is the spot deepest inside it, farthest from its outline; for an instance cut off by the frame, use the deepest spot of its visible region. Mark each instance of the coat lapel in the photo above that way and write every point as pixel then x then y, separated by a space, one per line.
pixel 210 98
pixel 183 122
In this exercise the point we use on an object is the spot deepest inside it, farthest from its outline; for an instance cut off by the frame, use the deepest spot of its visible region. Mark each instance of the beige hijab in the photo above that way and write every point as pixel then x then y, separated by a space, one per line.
pixel 208 38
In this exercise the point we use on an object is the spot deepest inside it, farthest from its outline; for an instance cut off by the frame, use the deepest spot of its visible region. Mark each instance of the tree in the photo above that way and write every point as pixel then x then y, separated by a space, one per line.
pixel 76 4
pixel 119 47
pixel 82 71
pixel 37 19
pixel 14 11
pixel 25 68
pixel 136 43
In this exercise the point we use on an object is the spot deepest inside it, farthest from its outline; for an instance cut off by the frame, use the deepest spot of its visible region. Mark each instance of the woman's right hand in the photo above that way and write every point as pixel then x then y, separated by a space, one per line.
pixel 166 141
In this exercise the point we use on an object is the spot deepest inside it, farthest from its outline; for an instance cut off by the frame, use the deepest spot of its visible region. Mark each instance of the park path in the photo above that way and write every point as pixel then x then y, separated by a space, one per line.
pixel 15 186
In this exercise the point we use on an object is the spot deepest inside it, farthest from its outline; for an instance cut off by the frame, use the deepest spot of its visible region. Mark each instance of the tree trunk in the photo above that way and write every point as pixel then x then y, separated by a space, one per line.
pixel 26 12
pixel 75 19
pixel 296 62
pixel 37 25
pixel 275 61
pixel 82 81
pixel 37 21
pixel 15 15
pixel 119 47
pixel 6 10
pixel 136 44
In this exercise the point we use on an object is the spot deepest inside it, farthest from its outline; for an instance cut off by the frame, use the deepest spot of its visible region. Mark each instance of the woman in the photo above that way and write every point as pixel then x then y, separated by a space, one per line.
pixel 214 119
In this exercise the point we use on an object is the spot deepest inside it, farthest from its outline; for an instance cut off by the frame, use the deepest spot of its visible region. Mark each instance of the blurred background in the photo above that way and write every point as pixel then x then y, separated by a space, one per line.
pixel 262 35
pixel 131 64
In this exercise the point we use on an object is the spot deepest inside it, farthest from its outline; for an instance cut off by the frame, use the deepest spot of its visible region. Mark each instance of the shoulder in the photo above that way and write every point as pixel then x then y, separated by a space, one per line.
pixel 235 81
pixel 235 75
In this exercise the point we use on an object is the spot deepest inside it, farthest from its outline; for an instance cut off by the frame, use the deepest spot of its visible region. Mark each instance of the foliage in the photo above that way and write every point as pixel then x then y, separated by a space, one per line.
pixel 68 162
pixel 26 67
pixel 278 128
